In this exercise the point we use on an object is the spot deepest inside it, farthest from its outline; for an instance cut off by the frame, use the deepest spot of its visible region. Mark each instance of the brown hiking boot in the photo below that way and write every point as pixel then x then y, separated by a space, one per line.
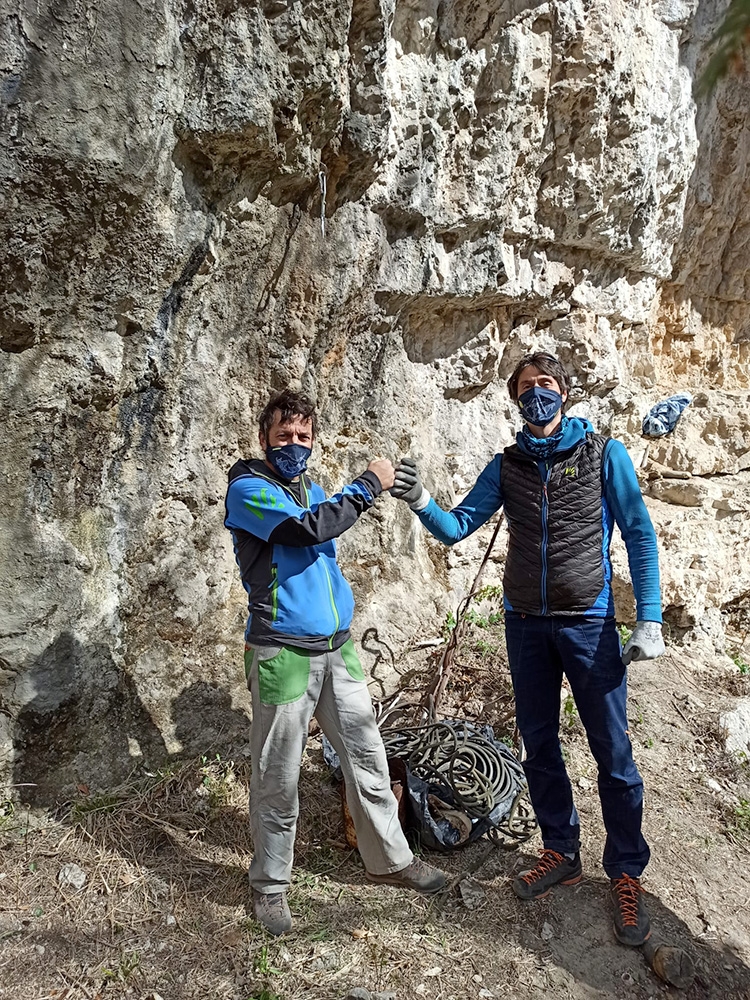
pixel 271 910
pixel 552 869
pixel 417 875
pixel 632 925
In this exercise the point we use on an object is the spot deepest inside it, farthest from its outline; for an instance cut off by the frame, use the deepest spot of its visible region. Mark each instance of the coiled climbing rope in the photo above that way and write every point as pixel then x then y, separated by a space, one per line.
pixel 481 773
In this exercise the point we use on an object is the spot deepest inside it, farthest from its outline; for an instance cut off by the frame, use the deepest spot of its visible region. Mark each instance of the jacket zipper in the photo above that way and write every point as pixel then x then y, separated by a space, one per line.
pixel 274 593
pixel 545 536
pixel 274 587
pixel 274 568
pixel 336 618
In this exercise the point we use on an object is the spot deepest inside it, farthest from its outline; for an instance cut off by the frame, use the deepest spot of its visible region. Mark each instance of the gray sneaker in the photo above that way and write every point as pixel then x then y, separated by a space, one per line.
pixel 417 875
pixel 271 910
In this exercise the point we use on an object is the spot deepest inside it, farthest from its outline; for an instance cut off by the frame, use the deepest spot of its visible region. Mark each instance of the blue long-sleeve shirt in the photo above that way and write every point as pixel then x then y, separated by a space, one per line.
pixel 622 504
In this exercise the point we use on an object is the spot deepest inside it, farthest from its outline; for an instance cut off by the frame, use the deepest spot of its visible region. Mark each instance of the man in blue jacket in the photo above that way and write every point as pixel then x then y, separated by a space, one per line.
pixel 300 660
pixel 563 488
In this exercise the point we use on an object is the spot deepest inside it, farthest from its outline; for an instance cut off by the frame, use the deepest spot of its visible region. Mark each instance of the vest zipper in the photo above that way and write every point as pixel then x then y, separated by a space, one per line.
pixel 545 536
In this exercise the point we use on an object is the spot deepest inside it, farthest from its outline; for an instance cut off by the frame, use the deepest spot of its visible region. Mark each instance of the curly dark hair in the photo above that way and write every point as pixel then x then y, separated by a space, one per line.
pixel 547 364
pixel 290 404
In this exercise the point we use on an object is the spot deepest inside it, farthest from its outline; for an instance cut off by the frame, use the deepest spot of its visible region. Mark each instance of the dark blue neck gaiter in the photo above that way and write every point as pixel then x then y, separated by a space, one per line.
pixel 289 460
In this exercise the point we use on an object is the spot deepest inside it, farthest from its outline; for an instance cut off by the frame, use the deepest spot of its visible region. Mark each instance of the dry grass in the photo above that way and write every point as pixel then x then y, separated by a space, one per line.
pixel 164 908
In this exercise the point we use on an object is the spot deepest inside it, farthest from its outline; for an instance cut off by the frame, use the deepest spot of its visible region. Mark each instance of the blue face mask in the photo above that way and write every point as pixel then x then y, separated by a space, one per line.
pixel 538 406
pixel 289 460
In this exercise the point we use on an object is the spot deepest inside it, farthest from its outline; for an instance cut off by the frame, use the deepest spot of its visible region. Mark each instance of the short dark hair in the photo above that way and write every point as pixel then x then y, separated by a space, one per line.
pixel 547 364
pixel 290 404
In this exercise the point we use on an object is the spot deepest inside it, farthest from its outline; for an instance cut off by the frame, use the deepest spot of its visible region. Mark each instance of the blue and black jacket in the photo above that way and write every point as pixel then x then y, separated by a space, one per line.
pixel 283 534
pixel 560 513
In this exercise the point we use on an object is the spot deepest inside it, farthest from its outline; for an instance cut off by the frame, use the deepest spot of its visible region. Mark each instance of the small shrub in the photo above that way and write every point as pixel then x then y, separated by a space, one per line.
pixel 570 712
pixel 262 965
pixel 448 625
pixel 104 802
pixel 742 816
pixel 129 963
pixel 625 633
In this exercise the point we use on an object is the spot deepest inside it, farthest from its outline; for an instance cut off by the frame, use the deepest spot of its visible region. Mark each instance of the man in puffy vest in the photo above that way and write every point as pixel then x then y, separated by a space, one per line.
pixel 563 488
pixel 300 660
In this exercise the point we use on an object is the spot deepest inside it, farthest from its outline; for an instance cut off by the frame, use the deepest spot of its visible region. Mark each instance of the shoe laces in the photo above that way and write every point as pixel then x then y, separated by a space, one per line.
pixel 273 902
pixel 547 863
pixel 417 867
pixel 628 891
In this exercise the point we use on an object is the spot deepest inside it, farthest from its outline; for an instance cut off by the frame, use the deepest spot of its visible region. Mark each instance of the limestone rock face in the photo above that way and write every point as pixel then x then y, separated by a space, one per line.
pixel 385 203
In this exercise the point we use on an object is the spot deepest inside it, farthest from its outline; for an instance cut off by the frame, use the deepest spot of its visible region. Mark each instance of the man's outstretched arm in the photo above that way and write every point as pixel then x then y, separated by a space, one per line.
pixel 484 499
pixel 266 511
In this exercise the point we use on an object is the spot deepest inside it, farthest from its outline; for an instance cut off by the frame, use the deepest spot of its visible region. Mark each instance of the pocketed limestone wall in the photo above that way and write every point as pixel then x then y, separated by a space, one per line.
pixel 498 177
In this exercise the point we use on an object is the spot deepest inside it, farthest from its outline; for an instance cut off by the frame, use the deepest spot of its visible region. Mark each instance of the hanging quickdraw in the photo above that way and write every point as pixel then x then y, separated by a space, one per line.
pixel 322 180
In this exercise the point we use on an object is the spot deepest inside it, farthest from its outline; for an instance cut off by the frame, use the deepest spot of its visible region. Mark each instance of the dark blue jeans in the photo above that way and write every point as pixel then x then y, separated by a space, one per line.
pixel 587 651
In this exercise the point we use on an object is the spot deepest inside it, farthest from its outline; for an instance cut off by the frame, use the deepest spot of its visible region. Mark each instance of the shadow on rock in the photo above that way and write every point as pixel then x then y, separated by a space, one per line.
pixel 182 821
pixel 83 724
pixel 206 724
pixel 84 739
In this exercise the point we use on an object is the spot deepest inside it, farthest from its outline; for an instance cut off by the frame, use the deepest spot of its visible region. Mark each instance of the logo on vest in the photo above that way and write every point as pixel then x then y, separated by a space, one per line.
pixel 571 471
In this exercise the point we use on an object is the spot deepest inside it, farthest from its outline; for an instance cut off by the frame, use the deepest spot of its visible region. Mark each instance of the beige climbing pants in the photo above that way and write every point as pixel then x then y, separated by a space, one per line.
pixel 289 687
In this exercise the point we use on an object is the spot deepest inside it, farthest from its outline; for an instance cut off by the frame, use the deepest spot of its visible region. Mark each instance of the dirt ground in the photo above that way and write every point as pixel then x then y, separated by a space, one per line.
pixel 163 912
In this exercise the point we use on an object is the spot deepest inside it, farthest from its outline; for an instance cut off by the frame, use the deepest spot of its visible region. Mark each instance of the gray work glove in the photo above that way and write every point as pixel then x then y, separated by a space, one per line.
pixel 645 643
pixel 408 486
